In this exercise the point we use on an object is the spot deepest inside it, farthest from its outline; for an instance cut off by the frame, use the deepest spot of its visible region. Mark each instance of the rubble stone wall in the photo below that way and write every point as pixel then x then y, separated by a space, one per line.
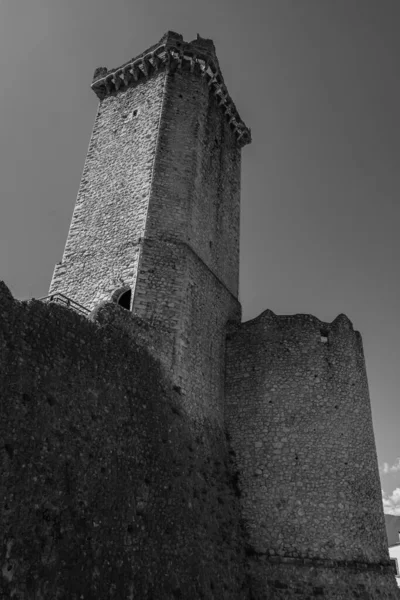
pixel 106 490
pixel 178 293
pixel 103 245
pixel 298 411
pixel 291 579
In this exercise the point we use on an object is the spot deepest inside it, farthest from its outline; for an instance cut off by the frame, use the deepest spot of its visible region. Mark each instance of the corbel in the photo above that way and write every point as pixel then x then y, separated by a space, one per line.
pixel 156 61
pixel 135 71
pixel 146 67
pixel 126 76
pixel 107 83
pixel 116 81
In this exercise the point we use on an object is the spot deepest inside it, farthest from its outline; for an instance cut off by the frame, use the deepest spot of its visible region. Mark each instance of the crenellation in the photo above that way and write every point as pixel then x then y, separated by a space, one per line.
pixel 175 57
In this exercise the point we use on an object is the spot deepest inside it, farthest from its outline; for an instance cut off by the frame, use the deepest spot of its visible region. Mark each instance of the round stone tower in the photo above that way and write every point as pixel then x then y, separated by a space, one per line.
pixel 298 411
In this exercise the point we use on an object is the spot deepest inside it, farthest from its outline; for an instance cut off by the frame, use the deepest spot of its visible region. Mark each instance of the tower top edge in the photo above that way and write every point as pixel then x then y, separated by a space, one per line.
pixel 340 322
pixel 173 53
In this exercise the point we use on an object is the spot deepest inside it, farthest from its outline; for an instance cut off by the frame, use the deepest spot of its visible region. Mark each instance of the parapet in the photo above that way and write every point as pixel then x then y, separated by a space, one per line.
pixel 173 53
pixel 300 327
pixel 300 319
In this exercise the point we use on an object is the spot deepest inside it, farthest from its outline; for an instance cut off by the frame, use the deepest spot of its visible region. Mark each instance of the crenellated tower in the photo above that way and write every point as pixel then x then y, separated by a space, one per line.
pixel 156 221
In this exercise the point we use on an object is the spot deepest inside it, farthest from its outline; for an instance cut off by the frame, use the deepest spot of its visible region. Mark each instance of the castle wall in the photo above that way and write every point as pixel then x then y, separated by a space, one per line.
pixel 298 411
pixel 105 490
pixel 329 580
pixel 103 245
pixel 179 295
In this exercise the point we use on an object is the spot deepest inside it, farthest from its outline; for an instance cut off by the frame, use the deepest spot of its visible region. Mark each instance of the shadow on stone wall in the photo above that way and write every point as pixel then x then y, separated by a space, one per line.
pixel 107 491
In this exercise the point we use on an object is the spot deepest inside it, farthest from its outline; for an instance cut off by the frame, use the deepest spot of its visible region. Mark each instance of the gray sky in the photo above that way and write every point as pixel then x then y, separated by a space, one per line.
pixel 317 82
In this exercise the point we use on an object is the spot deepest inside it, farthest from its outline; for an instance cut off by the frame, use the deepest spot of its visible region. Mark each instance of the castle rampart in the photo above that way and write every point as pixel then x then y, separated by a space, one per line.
pixel 106 490
pixel 182 296
pixel 298 410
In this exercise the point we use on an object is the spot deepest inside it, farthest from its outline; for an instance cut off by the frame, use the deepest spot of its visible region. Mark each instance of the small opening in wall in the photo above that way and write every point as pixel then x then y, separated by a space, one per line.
pixel 395 565
pixel 210 245
pixel 135 112
pixel 324 336
pixel 125 300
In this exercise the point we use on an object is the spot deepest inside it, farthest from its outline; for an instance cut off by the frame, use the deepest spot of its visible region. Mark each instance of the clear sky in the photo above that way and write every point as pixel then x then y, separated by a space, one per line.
pixel 316 80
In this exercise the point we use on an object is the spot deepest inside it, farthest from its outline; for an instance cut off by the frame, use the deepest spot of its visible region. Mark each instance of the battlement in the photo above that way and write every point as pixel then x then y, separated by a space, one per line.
pixel 303 328
pixel 174 54
pixel 301 320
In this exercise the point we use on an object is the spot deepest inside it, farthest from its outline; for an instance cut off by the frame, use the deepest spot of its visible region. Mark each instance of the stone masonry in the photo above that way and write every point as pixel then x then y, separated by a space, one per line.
pixel 279 404
pixel 298 410
pixel 158 209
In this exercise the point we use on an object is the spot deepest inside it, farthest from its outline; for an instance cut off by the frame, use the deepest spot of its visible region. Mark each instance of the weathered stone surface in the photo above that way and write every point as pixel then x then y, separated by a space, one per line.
pixel 106 490
pixel 102 248
pixel 298 410
pixel 158 211
pixel 118 479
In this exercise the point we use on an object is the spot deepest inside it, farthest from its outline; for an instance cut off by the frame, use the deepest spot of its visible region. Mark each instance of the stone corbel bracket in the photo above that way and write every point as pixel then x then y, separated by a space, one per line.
pixel 184 58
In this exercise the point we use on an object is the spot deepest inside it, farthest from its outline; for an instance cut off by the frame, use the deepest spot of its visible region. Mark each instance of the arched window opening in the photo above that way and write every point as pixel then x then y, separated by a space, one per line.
pixel 125 300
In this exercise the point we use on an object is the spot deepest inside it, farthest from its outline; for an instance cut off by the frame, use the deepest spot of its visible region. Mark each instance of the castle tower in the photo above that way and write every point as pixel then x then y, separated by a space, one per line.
pixel 156 221
pixel 156 229
pixel 298 411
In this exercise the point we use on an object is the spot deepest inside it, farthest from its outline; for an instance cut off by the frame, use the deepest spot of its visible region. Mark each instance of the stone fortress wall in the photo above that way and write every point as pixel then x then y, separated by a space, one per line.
pixel 106 490
pixel 158 213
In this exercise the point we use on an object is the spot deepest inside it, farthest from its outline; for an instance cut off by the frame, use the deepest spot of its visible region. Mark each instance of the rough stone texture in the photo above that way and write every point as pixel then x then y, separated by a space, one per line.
pixel 297 408
pixel 196 187
pixel 106 491
pixel 181 296
pixel 329 580
pixel 117 477
pixel 103 245
pixel 158 210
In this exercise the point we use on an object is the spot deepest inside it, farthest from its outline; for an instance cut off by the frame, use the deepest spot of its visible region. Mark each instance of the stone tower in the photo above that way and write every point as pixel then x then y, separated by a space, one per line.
pixel 298 411
pixel 156 229
pixel 156 221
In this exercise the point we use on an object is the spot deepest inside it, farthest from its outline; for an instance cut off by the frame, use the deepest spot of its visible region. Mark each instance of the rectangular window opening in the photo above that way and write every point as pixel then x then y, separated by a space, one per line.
pixel 324 336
